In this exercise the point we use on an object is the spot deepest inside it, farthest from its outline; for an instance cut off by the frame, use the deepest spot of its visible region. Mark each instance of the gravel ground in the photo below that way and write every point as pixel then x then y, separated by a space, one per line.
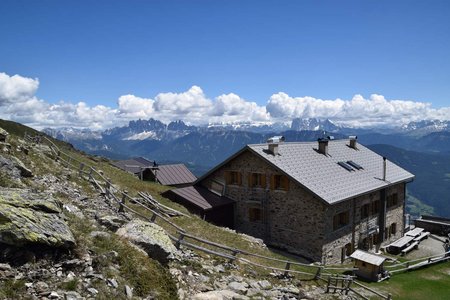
pixel 433 245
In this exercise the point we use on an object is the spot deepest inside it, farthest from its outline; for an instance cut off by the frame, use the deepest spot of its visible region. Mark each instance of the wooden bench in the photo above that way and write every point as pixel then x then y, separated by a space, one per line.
pixel 410 247
pixel 423 235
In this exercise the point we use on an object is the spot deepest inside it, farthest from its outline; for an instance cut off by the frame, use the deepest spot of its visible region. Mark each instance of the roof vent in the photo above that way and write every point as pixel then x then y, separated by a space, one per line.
pixel 274 142
pixel 353 139
pixel 323 146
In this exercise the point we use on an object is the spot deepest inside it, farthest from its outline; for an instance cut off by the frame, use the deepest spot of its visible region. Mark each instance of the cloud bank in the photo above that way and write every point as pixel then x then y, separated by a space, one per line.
pixel 18 102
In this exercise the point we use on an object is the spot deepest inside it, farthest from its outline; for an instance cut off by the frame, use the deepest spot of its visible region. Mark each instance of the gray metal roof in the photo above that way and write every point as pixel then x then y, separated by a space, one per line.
pixel 174 174
pixel 322 175
pixel 200 197
pixel 133 165
pixel 367 257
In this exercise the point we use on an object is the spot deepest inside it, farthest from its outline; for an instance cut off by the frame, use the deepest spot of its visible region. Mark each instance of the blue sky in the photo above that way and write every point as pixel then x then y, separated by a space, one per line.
pixel 98 51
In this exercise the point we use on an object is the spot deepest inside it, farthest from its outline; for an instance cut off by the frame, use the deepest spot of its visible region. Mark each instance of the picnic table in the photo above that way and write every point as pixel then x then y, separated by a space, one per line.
pixel 400 244
pixel 415 232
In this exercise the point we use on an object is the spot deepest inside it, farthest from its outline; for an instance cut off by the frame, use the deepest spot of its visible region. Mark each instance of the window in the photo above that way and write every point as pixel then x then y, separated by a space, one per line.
pixel 392 200
pixel 348 249
pixel 279 182
pixel 257 180
pixel 217 187
pixel 393 229
pixel 375 207
pixel 365 210
pixel 233 177
pixel 341 219
pixel 254 214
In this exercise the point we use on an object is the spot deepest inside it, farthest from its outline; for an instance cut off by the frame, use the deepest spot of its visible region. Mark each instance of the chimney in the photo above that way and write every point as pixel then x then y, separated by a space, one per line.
pixel 323 146
pixel 274 142
pixel 384 168
pixel 353 139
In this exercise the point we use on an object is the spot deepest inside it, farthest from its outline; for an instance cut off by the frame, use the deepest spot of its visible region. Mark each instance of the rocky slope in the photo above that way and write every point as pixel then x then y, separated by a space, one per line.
pixel 61 239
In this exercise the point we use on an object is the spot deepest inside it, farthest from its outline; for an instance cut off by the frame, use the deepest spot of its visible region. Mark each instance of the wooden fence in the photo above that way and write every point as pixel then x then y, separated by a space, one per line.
pixel 183 238
pixel 417 263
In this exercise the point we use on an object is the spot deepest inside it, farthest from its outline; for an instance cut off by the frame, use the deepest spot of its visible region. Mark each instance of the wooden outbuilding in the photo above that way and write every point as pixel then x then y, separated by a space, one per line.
pixel 370 266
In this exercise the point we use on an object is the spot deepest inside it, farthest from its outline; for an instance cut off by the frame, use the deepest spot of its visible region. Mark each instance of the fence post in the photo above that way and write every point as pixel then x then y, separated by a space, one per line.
pixel 107 187
pixel 153 218
pixel 68 161
pixel 328 284
pixel 234 254
pixel 58 154
pixel 80 174
pixel 90 173
pixel 288 266
pixel 124 200
pixel 319 271
pixel 389 297
pixel 178 243
pixel 349 282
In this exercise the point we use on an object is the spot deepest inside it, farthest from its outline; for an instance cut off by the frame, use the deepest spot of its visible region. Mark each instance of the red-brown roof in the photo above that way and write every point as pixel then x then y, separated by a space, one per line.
pixel 174 174
pixel 201 197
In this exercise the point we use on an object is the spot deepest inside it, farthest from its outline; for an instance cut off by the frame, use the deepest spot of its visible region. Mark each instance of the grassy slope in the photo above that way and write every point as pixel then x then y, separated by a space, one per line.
pixel 427 283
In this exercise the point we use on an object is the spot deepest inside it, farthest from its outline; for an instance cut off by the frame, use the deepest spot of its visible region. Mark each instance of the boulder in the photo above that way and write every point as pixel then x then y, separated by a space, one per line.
pixel 14 167
pixel 29 218
pixel 111 222
pixel 3 135
pixel 149 237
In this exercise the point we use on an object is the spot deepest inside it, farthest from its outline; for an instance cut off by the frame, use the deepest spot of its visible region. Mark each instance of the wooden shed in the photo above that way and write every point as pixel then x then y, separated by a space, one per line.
pixel 370 266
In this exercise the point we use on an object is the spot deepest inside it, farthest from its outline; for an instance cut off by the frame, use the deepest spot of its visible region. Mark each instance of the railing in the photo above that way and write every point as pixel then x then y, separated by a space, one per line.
pixel 417 263
pixel 107 188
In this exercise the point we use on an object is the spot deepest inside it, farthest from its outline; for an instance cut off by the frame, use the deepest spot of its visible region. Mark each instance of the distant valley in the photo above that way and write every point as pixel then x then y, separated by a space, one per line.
pixel 422 148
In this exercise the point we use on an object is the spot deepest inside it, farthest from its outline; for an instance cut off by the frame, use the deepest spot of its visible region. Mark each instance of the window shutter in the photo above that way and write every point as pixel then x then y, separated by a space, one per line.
pixel 285 183
pixel 227 177
pixel 263 181
pixel 250 180
pixel 239 178
pixel 272 182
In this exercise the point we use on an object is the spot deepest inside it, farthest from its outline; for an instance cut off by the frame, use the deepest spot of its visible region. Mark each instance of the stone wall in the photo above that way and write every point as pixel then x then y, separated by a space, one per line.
pixel 291 219
pixel 355 232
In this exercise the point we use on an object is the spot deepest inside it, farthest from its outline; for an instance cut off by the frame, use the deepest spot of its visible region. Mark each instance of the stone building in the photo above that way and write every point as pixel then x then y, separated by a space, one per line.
pixel 321 200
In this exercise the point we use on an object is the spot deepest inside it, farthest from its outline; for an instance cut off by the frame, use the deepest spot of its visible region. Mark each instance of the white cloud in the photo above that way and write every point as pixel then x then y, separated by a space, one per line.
pixel 232 108
pixel 132 107
pixel 18 102
pixel 16 88
pixel 358 111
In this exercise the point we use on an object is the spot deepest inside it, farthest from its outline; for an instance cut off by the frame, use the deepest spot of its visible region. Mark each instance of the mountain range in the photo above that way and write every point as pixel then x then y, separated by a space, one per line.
pixel 422 148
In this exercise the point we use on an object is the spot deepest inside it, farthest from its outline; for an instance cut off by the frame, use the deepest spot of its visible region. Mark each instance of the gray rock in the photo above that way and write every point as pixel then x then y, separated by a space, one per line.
pixel 35 221
pixel 265 285
pixel 18 164
pixel 54 295
pixel 111 222
pixel 41 286
pixel 92 291
pixel 113 283
pixel 5 267
pixel 3 135
pixel 216 295
pixel 72 295
pixel 239 287
pixel 128 292
pixel 151 238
